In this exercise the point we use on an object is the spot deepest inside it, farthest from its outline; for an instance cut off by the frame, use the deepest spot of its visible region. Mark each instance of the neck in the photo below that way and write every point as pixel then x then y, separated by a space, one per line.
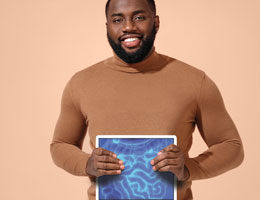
pixel 153 61
pixel 137 63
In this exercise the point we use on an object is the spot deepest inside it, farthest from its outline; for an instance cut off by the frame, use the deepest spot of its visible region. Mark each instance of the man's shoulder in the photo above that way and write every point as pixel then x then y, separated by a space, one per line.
pixel 87 73
pixel 182 68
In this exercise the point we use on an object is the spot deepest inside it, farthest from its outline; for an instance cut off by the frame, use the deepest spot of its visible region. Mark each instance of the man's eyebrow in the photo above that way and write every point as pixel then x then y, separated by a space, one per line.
pixel 138 12
pixel 121 14
pixel 117 14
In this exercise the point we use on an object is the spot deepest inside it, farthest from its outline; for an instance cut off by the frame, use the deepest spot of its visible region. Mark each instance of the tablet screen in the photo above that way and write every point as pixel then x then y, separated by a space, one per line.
pixel 138 180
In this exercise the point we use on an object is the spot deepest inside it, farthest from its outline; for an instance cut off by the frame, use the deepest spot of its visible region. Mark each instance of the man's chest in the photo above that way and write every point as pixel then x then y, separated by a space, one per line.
pixel 142 100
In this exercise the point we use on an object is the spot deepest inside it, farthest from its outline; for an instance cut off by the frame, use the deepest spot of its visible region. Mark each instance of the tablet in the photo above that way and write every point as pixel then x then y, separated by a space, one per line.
pixel 138 180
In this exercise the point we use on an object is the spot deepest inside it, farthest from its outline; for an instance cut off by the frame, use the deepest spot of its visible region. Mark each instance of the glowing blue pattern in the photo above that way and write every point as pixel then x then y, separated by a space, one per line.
pixel 137 180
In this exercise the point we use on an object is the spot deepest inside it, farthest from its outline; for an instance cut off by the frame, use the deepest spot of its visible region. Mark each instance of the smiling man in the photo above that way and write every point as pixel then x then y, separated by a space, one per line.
pixel 131 33
pixel 139 91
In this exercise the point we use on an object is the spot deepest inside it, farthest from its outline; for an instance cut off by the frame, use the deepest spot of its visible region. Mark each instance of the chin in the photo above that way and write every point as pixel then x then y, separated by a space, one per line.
pixel 131 51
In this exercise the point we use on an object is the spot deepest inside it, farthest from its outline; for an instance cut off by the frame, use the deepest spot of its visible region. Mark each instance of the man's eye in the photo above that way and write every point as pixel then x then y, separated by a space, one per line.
pixel 117 20
pixel 139 18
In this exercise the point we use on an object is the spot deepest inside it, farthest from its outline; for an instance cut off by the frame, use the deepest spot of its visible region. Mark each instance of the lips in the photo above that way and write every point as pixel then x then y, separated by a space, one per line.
pixel 130 41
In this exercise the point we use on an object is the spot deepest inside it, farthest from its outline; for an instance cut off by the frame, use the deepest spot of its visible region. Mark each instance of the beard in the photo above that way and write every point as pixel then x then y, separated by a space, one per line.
pixel 140 54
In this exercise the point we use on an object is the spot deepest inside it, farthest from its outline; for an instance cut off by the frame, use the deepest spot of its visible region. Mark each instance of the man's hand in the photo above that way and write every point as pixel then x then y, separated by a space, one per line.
pixel 171 159
pixel 103 162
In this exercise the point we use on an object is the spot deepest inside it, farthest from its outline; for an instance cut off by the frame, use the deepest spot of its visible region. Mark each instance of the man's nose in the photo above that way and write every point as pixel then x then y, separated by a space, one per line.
pixel 129 26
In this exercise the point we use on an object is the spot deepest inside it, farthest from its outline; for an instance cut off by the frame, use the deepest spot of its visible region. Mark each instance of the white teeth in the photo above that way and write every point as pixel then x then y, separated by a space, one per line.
pixel 130 39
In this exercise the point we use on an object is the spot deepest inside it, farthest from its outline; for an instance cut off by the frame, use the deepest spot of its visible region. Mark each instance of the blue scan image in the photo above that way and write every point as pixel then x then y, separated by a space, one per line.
pixel 137 180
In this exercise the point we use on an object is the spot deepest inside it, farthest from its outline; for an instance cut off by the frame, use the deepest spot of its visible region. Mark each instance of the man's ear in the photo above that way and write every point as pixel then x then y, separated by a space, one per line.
pixel 106 26
pixel 157 23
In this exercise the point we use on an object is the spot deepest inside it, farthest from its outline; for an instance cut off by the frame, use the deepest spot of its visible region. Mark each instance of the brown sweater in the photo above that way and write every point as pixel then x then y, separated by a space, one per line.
pixel 159 95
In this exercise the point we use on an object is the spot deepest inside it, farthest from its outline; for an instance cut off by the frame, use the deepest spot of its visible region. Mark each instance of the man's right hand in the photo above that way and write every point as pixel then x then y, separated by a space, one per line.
pixel 103 162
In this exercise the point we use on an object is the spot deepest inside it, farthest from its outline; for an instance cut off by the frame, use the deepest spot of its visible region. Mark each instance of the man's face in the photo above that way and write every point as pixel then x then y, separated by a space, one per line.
pixel 131 29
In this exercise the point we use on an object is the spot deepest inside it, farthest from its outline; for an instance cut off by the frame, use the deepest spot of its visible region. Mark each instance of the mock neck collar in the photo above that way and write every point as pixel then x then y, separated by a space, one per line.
pixel 152 62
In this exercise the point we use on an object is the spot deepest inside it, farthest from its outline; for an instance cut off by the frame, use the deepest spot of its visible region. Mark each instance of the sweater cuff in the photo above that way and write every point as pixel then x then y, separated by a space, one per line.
pixel 194 169
pixel 80 168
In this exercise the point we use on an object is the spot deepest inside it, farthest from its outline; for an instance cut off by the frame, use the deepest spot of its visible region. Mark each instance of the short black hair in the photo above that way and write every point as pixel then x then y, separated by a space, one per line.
pixel 151 3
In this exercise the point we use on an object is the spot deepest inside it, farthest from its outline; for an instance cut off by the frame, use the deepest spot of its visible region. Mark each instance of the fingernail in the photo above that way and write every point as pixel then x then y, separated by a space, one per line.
pixel 121 162
pixel 154 168
pixel 118 171
pixel 122 167
pixel 159 153
pixel 114 155
pixel 152 162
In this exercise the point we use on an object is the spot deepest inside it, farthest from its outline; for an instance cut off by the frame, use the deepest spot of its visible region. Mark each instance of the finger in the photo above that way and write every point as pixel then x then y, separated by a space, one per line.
pixel 168 168
pixel 175 170
pixel 109 166
pixel 102 172
pixel 101 151
pixel 172 148
pixel 164 155
pixel 166 162
pixel 109 159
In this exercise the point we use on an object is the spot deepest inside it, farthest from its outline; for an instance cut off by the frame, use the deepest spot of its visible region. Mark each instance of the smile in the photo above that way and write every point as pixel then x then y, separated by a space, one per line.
pixel 131 42
pixel 130 39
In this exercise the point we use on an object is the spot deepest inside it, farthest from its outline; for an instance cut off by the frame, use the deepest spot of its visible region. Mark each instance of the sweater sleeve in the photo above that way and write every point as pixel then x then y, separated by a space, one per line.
pixel 225 150
pixel 70 130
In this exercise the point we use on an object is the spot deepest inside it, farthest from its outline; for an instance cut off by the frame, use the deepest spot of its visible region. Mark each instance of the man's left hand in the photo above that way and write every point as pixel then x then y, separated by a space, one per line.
pixel 171 159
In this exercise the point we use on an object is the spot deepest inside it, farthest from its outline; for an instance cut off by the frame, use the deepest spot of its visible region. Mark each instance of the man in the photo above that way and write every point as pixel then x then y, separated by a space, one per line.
pixel 138 91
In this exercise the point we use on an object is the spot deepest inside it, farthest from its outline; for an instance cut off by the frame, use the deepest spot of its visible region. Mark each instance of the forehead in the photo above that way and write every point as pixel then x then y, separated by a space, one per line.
pixel 128 6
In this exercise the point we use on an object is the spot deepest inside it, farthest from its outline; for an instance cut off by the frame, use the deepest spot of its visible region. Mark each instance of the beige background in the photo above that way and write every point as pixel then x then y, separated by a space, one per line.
pixel 43 43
